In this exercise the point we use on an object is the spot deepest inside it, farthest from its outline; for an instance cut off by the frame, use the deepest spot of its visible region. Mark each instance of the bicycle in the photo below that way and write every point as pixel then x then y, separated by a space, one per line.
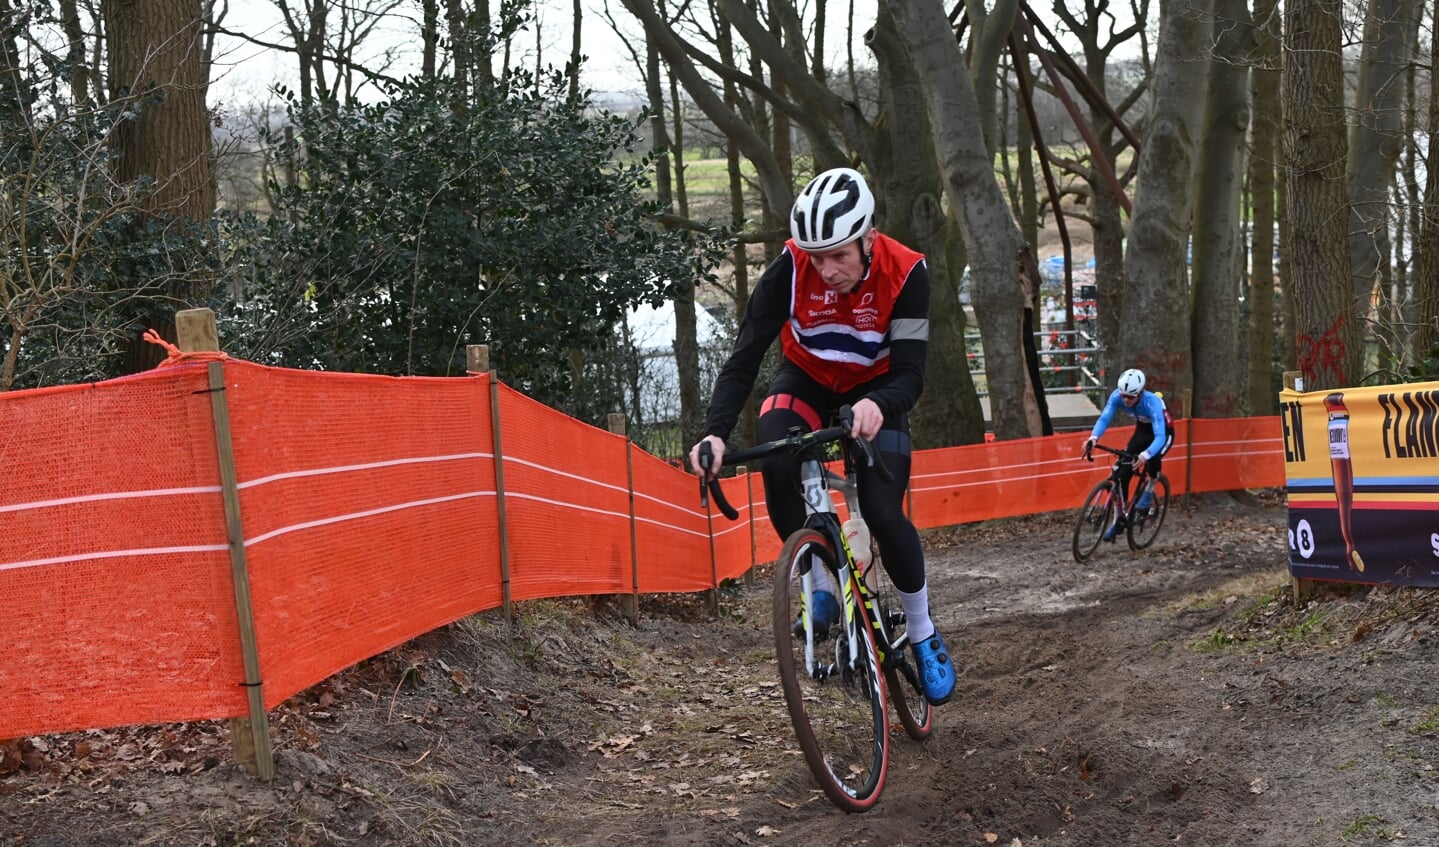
pixel 836 695
pixel 1108 504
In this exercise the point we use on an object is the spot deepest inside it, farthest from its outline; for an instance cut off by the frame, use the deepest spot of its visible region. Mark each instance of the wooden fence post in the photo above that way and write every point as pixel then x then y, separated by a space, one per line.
pixel 712 595
pixel 749 519
pixel 1303 587
pixel 629 603
pixel 249 737
pixel 477 360
pixel 1188 412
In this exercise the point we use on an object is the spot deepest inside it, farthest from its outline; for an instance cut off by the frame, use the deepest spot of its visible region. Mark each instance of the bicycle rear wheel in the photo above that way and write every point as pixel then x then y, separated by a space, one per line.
pixel 901 678
pixel 1144 527
pixel 832 681
pixel 1095 516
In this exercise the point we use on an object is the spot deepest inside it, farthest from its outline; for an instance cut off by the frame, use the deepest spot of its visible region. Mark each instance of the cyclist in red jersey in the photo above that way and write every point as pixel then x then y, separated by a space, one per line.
pixel 850 306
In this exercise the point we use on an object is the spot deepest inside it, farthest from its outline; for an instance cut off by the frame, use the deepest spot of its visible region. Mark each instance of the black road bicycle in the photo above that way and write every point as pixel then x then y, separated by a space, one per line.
pixel 1109 505
pixel 837 678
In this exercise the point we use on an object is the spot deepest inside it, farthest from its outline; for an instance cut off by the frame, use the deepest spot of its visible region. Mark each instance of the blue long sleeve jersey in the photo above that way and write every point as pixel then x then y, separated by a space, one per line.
pixel 1149 409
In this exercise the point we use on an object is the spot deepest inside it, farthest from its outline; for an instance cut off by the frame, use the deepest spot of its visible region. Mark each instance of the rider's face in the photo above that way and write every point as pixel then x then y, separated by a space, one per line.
pixel 1130 399
pixel 843 267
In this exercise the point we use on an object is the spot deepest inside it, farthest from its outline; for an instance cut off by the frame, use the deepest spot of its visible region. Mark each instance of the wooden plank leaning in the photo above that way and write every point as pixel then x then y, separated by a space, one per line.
pixel 249 736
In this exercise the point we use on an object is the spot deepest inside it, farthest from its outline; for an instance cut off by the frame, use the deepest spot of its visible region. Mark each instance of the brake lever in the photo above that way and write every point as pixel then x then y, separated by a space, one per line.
pixel 710 484
pixel 866 447
pixel 707 460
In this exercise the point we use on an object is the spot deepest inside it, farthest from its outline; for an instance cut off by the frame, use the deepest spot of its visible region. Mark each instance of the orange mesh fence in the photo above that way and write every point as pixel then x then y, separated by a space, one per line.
pixel 566 503
pixel 736 542
pixel 114 571
pixel 1000 479
pixel 1007 478
pixel 368 506
pixel 371 512
pixel 1232 453
pixel 671 534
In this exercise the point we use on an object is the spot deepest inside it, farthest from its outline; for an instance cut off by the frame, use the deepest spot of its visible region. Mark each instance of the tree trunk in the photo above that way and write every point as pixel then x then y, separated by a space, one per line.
pixel 82 76
pixel 989 33
pixel 1375 140
pixel 687 351
pixel 1426 265
pixel 907 175
pixel 1154 330
pixel 429 37
pixel 155 48
pixel 15 92
pixel 1099 39
pixel 990 234
pixel 1218 249
pixel 1327 319
pixel 1264 83
pixel 1413 206
pixel 739 255
pixel 1028 205
pixel 1406 184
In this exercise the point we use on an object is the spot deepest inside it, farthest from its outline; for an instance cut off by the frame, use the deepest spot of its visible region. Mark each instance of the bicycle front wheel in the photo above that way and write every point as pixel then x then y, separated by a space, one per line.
pixel 830 673
pixel 1095 516
pixel 1144 527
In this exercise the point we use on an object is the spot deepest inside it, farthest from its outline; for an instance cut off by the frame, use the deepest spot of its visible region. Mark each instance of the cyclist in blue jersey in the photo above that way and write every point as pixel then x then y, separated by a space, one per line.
pixel 850 308
pixel 1153 430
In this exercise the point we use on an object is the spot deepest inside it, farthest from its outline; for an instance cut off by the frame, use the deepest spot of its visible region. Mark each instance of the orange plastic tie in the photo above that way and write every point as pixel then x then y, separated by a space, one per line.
pixel 174 355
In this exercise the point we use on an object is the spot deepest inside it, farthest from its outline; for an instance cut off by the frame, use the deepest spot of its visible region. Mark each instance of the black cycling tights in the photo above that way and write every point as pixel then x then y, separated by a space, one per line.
pixel 1143 436
pixel 881 502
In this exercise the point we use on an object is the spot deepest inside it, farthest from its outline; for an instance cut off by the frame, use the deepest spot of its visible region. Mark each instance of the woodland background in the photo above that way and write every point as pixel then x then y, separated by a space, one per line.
pixel 1251 180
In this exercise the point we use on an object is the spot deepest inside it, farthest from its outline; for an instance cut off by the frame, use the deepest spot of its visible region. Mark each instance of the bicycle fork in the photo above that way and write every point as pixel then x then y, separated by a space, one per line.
pixel 816 498
pixel 817 668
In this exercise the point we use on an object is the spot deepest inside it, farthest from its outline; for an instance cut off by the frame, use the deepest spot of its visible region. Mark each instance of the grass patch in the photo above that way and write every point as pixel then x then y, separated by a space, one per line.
pixel 1366 826
pixel 1215 642
pixel 1429 725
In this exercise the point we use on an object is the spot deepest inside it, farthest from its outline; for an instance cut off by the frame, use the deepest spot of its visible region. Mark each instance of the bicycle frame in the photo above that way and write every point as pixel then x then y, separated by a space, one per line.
pixel 1110 507
pixel 1141 478
pixel 847 754
pixel 816 482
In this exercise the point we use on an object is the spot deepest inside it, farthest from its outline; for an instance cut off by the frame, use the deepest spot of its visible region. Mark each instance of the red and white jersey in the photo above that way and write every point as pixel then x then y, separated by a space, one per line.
pixel 874 338
pixel 843 340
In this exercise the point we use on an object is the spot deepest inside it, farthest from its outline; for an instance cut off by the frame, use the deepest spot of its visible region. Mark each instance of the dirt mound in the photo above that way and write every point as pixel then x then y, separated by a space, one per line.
pixel 1175 696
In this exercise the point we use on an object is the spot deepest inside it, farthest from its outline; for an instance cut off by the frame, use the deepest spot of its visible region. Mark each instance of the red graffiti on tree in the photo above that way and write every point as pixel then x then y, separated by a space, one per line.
pixel 1223 406
pixel 1159 366
pixel 1324 355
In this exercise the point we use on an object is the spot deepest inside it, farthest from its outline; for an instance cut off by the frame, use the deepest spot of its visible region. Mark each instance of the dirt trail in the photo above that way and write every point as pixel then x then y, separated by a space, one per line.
pixel 1175 696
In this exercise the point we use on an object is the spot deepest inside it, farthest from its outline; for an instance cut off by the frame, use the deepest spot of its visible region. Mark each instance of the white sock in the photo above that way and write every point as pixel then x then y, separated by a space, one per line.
pixel 916 614
pixel 823 579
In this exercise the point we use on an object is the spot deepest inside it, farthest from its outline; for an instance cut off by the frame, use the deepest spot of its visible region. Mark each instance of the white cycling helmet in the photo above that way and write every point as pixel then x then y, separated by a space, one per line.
pixel 1131 382
pixel 833 210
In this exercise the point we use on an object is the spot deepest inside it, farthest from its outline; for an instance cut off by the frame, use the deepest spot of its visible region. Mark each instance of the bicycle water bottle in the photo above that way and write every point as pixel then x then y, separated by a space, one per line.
pixel 856 534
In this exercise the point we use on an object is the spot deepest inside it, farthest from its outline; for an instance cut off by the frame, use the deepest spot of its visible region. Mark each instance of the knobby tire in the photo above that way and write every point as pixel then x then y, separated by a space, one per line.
pixel 901 676
pixel 839 718
pixel 1095 516
pixel 1143 529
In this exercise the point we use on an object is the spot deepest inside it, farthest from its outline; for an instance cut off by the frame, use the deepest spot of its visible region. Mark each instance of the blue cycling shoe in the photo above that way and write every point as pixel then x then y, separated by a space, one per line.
pixel 824 611
pixel 1145 501
pixel 1110 533
pixel 936 671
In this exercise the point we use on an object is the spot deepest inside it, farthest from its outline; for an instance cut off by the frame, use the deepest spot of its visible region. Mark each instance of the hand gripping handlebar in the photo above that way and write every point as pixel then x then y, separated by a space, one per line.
pixel 794 443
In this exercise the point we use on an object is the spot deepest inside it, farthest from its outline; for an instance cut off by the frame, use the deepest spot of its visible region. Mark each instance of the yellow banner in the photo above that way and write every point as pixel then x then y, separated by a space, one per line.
pixel 1362 472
